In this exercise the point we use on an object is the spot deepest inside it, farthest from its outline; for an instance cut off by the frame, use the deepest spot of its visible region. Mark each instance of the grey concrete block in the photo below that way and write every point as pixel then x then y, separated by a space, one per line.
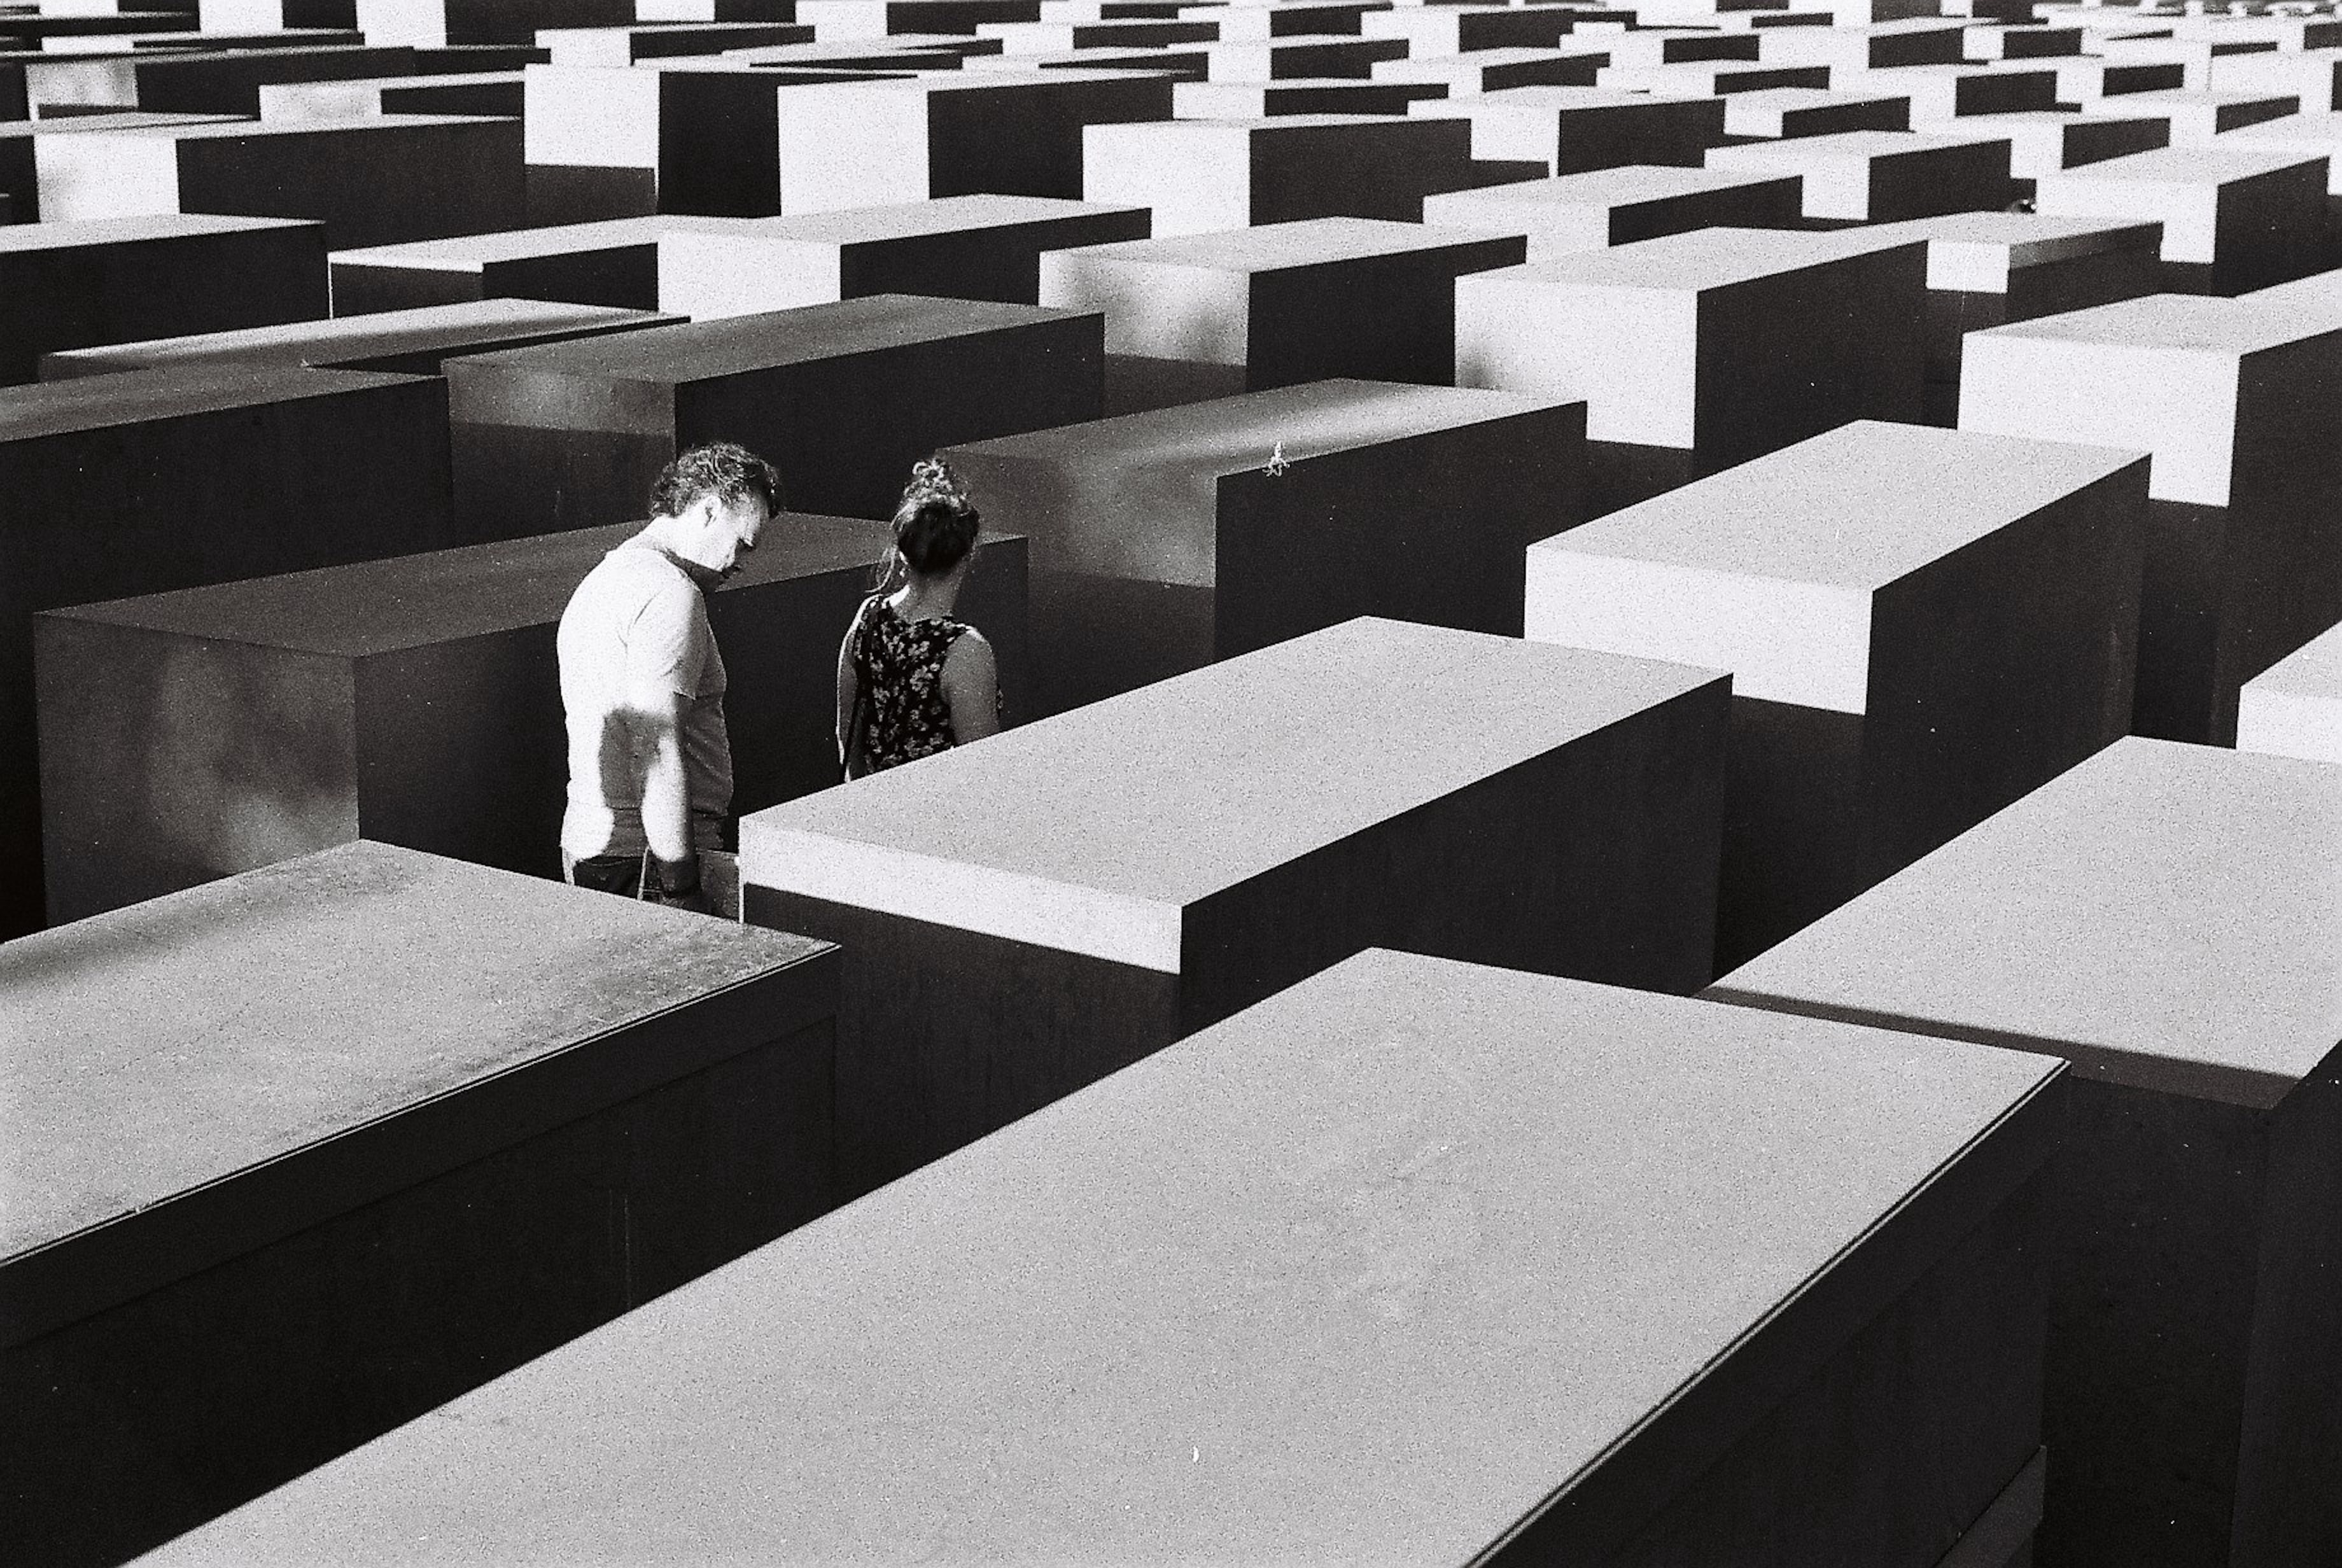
pixel 1394 1219
pixel 1166 540
pixel 2162 917
pixel 317 1197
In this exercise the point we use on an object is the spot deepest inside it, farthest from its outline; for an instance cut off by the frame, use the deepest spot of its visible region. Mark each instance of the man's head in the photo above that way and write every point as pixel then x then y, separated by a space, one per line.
pixel 712 502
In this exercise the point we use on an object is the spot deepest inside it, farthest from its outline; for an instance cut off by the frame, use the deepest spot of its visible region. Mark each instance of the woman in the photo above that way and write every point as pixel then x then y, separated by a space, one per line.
pixel 911 680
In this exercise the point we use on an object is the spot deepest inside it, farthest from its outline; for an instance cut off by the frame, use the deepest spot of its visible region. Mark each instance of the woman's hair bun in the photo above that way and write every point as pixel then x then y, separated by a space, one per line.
pixel 933 479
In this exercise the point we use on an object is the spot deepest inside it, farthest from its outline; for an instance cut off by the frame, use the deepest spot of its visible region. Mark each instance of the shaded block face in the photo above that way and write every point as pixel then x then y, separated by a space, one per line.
pixel 2294 708
pixel 1567 799
pixel 959 247
pixel 1163 541
pixel 321 1198
pixel 1277 306
pixel 193 735
pixel 1940 92
pixel 202 477
pixel 401 342
pixel 1596 210
pixel 1689 1239
pixel 69 286
pixel 2163 917
pixel 1921 627
pixel 1571 130
pixel 864 144
pixel 1203 176
pixel 1494 70
pixel 1729 343
pixel 1881 176
pixel 460 92
pixel 2232 219
pixel 370 180
pixel 2244 558
pixel 2196 115
pixel 841 398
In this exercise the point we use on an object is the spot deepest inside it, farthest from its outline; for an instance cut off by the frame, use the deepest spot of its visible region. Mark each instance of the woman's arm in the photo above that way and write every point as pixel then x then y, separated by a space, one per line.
pixel 972 687
pixel 849 687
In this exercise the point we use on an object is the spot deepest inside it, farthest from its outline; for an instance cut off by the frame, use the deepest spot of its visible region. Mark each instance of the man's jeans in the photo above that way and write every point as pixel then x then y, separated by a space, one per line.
pixel 618 874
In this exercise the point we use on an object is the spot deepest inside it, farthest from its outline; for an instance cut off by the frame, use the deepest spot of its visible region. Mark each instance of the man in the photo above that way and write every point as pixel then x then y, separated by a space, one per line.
pixel 642 686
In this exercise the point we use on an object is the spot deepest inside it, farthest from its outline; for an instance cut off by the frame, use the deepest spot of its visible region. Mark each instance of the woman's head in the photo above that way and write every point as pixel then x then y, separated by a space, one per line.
pixel 936 525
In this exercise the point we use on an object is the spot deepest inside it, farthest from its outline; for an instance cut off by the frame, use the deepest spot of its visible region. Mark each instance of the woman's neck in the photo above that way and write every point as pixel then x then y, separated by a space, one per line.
pixel 926 598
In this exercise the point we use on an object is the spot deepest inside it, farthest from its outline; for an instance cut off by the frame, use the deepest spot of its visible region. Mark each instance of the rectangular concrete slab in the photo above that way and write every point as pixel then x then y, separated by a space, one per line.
pixel 1407 1379
pixel 191 736
pixel 371 180
pixel 1882 176
pixel 118 280
pixel 1813 112
pixel 960 247
pixel 853 144
pixel 1165 540
pixel 2198 115
pixel 2235 217
pixel 1921 626
pixel 1571 130
pixel 1250 309
pixel 1605 207
pixel 404 342
pixel 452 93
pixel 270 1196
pixel 1494 70
pixel 2294 708
pixel 19 174
pixel 842 398
pixel 201 475
pixel 2163 917
pixel 1204 175
pixel 2043 141
pixel 1729 343
pixel 2244 551
pixel 1190 847
pixel 437 23
pixel 1990 269
pixel 613 262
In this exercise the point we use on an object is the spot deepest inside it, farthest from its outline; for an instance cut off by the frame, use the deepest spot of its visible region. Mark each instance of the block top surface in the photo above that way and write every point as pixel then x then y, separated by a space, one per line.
pixel 370 607
pixel 2312 670
pixel 1229 434
pixel 1858 507
pixel 89 233
pixel 1701 259
pixel 1545 97
pixel 178 1041
pixel 135 396
pixel 1244 766
pixel 1274 247
pixel 2166 916
pixel 2224 164
pixel 2313 130
pixel 2194 324
pixel 322 126
pixel 1622 186
pixel 2320 291
pixel 348 337
pixel 913 220
pixel 700 351
pixel 469 252
pixel 82 125
pixel 1367 1273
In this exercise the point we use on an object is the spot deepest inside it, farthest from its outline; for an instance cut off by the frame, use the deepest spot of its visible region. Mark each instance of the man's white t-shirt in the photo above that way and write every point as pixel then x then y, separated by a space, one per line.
pixel 637 622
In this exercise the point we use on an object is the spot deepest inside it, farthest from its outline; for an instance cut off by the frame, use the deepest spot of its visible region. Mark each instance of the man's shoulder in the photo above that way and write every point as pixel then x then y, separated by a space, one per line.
pixel 632 578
